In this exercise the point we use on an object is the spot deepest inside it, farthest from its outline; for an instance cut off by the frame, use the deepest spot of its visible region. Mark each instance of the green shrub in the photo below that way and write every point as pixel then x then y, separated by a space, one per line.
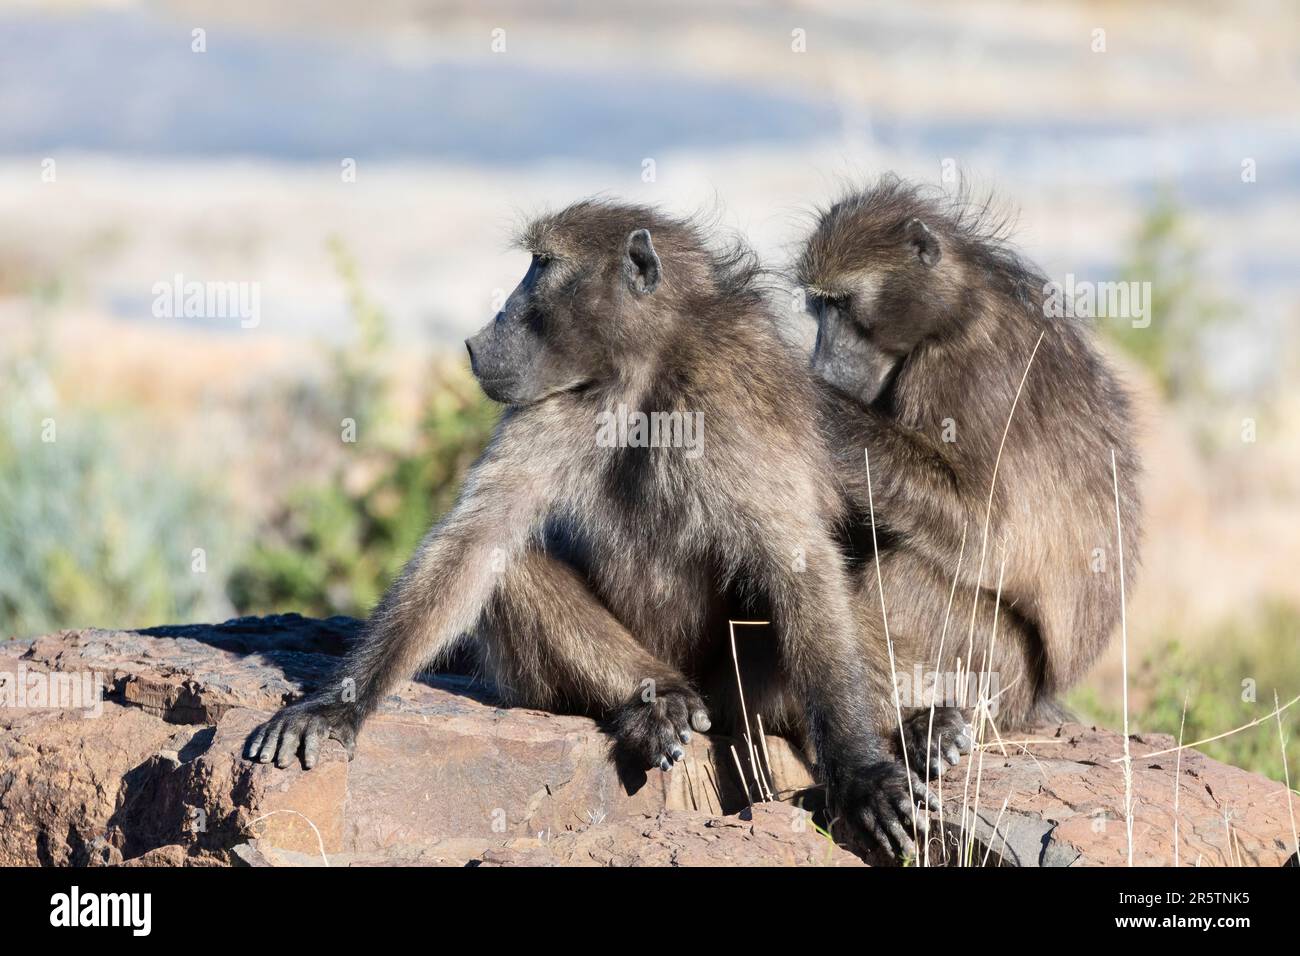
pixel 1218 673
pixel 333 551
pixel 338 543
pixel 1183 308
pixel 92 532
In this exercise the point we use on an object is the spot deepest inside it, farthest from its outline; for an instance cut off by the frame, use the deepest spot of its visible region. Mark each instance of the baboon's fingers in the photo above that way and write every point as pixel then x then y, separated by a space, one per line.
pixel 922 766
pixel 311 741
pixel 347 737
pixel 676 708
pixel 645 748
pixel 875 832
pixel 267 752
pixel 255 743
pixel 924 796
pixel 671 750
pixel 652 734
pixel 667 760
pixel 909 815
pixel 902 842
pixel 289 741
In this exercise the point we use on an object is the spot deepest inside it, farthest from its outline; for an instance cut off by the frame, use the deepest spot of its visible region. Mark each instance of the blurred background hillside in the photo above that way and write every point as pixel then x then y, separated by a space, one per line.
pixel 362 166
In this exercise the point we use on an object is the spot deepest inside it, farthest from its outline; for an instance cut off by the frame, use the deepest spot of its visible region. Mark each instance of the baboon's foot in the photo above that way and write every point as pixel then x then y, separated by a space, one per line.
pixel 884 806
pixel 933 748
pixel 650 729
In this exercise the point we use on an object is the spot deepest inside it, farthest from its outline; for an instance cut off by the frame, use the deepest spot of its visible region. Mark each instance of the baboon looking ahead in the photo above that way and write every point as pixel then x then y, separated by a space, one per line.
pixel 927 323
pixel 623 308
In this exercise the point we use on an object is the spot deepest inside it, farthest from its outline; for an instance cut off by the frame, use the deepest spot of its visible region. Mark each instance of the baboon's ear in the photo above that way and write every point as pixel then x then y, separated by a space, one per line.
pixel 923 242
pixel 641 263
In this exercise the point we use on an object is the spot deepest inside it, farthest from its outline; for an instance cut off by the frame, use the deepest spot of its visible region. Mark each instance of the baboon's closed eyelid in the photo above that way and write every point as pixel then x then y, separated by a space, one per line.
pixel 838 299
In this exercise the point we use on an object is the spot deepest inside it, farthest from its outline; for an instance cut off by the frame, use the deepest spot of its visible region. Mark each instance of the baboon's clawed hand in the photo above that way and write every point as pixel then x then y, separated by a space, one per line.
pixel 301 728
pixel 936 741
pixel 651 728
pixel 882 802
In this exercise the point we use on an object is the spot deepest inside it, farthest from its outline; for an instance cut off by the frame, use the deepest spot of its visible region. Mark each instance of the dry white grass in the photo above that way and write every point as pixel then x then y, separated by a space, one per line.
pixel 982 705
pixel 1276 711
pixel 1178 775
pixel 889 644
pixel 993 484
pixel 929 732
pixel 1286 778
pixel 1123 619
pixel 761 781
pixel 740 772
pixel 320 842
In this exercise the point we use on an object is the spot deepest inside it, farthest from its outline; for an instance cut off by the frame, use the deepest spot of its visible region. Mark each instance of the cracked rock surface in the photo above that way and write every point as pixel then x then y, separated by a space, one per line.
pixel 445 776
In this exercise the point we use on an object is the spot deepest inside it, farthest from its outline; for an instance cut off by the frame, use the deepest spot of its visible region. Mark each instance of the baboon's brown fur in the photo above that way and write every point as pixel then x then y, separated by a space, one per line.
pixel 927 324
pixel 625 306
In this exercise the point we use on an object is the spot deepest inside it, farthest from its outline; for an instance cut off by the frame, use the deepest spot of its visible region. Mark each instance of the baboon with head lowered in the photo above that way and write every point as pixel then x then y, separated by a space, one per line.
pixel 928 324
pixel 624 308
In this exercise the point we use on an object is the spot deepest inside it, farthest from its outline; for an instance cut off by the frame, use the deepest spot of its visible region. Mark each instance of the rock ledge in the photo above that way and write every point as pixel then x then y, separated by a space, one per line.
pixel 444 776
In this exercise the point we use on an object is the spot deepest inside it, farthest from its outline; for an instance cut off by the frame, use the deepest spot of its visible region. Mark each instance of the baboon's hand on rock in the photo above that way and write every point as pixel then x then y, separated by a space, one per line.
pixel 880 805
pixel 649 730
pixel 304 726
pixel 932 749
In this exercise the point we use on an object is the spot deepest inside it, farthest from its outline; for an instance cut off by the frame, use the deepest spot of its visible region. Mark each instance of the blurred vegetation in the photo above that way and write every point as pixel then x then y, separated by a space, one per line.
pixel 1184 310
pixel 91 530
pixel 1264 646
pixel 1218 673
pixel 339 542
pixel 359 382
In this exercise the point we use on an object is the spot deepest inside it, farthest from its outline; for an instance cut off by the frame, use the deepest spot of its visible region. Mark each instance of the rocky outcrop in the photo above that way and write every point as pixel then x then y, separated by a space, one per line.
pixel 153 775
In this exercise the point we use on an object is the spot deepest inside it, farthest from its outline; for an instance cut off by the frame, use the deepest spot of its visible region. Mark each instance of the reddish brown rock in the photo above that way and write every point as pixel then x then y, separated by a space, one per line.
pixel 771 834
pixel 444 776
pixel 1065 804
pixel 65 782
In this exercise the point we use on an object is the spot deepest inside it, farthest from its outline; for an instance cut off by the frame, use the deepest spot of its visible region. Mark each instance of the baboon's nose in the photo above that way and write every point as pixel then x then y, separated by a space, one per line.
pixel 469 347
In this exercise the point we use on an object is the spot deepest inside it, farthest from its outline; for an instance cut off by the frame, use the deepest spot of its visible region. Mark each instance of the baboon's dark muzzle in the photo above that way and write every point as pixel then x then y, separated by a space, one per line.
pixel 845 360
pixel 473 359
pixel 500 359
pixel 487 362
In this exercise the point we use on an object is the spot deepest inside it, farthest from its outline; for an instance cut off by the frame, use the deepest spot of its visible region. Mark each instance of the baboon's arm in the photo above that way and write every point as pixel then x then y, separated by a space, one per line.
pixel 439 596
pixel 841 689
pixel 816 630
pixel 916 489
pixel 448 582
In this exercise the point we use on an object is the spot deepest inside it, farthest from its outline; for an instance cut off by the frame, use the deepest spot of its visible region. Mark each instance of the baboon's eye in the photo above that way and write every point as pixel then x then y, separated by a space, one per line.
pixel 542 259
pixel 821 302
